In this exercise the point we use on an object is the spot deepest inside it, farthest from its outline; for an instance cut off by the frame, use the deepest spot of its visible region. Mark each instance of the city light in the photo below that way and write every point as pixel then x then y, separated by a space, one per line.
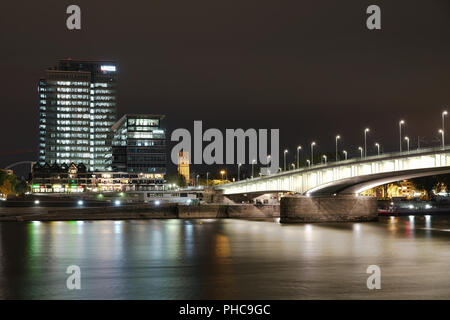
pixel 337 138
pixel 285 152
pixel 400 124
pixel 108 68
pixel 444 113
pixel 365 141
pixel 80 202
pixel 378 147
pixel 117 202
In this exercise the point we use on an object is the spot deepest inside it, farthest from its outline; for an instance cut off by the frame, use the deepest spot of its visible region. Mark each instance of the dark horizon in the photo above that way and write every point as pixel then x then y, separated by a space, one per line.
pixel 313 70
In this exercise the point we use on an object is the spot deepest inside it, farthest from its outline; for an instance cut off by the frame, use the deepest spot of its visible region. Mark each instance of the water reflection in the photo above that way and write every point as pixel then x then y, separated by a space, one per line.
pixel 224 259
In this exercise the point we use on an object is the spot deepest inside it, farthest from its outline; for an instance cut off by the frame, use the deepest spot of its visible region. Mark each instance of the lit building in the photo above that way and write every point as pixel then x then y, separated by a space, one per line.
pixel 77 103
pixel 402 189
pixel 139 145
pixel 76 178
pixel 183 164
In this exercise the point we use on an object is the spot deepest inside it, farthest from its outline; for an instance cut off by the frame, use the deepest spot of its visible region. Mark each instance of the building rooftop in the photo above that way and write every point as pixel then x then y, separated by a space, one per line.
pixel 140 116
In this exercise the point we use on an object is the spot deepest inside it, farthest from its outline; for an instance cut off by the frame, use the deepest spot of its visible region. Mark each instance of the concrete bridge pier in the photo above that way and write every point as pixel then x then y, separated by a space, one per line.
pixel 340 208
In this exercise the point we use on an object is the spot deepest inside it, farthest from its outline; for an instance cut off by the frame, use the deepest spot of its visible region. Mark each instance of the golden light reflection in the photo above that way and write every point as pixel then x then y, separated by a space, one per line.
pixel 222 246
pixel 392 225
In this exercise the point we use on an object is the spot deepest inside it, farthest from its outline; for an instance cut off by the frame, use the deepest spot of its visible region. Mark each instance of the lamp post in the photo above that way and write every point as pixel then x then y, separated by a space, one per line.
pixel 324 159
pixel 285 152
pixel 298 156
pixel 207 179
pixel 293 166
pixel 365 141
pixel 337 138
pixel 268 159
pixel 378 147
pixel 407 143
pixel 222 172
pixel 361 149
pixel 253 171
pixel 400 124
pixel 309 163
pixel 444 113
pixel 312 152
pixel 239 171
pixel 345 154
pixel 442 137
pixel 197 179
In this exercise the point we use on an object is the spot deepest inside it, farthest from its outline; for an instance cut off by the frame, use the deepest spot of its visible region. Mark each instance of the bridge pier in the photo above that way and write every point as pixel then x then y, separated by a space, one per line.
pixel 344 208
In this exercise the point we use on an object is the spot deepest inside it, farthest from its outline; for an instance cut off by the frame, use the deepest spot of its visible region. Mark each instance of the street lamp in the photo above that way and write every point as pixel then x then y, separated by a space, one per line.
pixel 378 147
pixel 361 149
pixel 312 152
pixel 293 166
pixel 407 143
pixel 253 171
pixel 365 141
pixel 285 152
pixel 222 172
pixel 400 124
pixel 239 171
pixel 442 137
pixel 444 113
pixel 207 178
pixel 309 163
pixel 337 138
pixel 298 156
pixel 345 154
pixel 325 158
pixel 197 179
pixel 268 159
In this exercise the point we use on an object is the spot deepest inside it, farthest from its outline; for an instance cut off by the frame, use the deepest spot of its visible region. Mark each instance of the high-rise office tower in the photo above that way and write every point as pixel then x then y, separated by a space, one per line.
pixel 139 145
pixel 77 103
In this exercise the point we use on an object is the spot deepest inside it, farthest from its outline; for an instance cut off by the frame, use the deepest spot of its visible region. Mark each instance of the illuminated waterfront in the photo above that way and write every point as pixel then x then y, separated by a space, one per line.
pixel 225 259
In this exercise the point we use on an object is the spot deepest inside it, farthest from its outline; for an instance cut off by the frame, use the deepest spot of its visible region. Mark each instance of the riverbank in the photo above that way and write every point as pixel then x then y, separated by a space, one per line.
pixel 141 211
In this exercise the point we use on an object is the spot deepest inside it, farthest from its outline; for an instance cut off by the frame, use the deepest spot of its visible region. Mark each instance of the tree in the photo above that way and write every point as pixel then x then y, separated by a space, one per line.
pixel 176 178
pixel 8 183
pixel 21 187
pixel 6 188
pixel 429 183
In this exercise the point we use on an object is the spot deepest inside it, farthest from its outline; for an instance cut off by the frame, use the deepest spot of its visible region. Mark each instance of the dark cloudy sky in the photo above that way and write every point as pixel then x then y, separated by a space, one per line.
pixel 310 68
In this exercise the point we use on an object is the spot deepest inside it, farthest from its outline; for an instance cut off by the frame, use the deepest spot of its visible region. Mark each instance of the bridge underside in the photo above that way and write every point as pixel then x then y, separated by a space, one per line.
pixel 250 196
pixel 356 185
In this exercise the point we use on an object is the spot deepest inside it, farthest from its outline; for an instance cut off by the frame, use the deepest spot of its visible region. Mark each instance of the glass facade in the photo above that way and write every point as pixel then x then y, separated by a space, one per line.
pixel 139 144
pixel 77 108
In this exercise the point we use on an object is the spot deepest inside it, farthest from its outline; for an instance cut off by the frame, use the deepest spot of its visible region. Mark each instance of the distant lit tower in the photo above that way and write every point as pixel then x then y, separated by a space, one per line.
pixel 77 107
pixel 183 164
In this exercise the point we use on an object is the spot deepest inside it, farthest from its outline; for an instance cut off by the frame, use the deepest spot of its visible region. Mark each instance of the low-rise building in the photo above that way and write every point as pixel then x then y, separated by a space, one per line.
pixel 76 178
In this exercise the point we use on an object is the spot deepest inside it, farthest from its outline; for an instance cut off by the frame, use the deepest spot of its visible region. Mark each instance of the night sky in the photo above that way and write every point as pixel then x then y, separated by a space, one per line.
pixel 310 68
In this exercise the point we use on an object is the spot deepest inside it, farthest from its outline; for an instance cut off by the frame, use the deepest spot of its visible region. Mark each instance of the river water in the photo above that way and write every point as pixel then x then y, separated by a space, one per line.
pixel 226 259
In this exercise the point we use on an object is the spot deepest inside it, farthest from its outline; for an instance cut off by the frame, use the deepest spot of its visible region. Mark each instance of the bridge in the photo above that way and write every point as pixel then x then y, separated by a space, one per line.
pixel 348 176
pixel 18 163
